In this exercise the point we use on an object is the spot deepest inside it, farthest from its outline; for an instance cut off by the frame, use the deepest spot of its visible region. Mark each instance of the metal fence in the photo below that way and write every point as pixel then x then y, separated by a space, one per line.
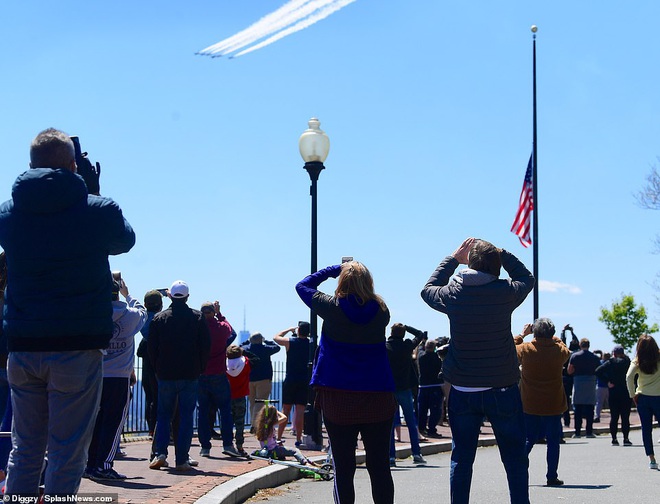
pixel 136 422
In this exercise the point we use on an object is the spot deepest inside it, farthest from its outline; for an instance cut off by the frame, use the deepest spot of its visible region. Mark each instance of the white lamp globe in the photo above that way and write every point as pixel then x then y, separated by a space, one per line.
pixel 314 144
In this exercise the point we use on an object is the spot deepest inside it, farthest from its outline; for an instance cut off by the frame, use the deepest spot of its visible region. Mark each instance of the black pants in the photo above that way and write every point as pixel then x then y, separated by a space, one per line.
pixel 376 439
pixel 109 423
pixel 150 386
pixel 568 390
pixel 586 412
pixel 620 404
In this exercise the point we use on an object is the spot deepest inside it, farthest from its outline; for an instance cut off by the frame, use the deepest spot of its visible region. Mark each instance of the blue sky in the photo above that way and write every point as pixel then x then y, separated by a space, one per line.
pixel 428 108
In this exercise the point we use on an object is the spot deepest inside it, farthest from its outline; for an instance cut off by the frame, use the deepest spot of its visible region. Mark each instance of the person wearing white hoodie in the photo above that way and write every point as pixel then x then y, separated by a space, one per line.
pixel 128 318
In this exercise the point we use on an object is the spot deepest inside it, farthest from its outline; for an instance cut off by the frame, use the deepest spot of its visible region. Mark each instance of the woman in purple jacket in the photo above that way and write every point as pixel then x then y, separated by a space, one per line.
pixel 352 376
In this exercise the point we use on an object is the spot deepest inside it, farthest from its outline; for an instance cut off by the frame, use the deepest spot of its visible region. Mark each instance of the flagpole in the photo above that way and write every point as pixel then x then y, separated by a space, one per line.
pixel 535 199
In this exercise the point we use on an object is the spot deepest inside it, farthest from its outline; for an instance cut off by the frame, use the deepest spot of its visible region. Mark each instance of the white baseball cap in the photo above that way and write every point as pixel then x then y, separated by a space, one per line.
pixel 179 289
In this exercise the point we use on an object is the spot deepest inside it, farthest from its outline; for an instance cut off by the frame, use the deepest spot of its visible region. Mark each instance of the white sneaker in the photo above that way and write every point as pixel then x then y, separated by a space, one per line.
pixel 205 452
pixel 653 465
pixel 158 462
pixel 192 462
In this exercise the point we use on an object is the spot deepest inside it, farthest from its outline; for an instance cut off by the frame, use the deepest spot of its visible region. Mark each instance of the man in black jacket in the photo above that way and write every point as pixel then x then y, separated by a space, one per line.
pixel 430 390
pixel 614 371
pixel 399 353
pixel 179 347
pixel 482 365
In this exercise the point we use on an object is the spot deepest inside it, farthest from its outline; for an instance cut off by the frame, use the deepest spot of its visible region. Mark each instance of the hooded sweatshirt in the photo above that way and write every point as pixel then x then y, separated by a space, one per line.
pixel 238 374
pixel 128 318
pixel 352 354
pixel 57 239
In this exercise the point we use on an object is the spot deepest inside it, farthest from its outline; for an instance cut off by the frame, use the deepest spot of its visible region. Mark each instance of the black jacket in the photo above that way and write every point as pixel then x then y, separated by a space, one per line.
pixel 614 370
pixel 399 353
pixel 57 239
pixel 430 369
pixel 179 343
pixel 479 307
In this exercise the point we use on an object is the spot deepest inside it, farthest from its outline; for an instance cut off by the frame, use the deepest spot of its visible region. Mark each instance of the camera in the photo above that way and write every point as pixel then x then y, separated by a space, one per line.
pixel 91 174
pixel 346 259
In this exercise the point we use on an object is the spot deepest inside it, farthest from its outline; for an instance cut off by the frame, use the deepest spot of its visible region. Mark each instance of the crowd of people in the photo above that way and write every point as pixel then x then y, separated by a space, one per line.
pixel 67 352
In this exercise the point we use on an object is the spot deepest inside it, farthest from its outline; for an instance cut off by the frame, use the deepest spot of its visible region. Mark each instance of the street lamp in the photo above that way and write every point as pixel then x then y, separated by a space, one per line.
pixel 314 146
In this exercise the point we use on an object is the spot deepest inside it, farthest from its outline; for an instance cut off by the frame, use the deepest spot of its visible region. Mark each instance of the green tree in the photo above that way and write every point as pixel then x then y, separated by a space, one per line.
pixel 625 322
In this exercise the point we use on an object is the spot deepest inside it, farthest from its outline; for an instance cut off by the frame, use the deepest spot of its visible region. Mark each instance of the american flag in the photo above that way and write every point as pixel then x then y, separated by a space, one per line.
pixel 522 224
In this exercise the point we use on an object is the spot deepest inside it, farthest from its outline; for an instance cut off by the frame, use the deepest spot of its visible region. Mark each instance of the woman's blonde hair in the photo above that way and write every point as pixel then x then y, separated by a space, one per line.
pixel 355 279
pixel 266 421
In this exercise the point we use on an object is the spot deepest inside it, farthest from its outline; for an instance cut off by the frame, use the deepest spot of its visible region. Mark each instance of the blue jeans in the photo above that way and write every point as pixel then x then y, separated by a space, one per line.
pixel 503 408
pixel 214 394
pixel 4 392
pixel 168 393
pixel 647 406
pixel 405 400
pixel 549 427
pixel 55 397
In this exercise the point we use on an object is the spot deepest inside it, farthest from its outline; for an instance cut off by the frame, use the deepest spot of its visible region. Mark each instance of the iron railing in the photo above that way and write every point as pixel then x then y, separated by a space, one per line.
pixel 136 422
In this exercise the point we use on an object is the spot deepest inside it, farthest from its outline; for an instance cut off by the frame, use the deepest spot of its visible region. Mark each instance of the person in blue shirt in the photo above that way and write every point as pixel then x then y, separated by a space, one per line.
pixel 261 376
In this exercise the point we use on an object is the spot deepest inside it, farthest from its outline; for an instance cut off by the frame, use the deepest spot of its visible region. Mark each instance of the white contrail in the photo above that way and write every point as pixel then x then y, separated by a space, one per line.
pixel 276 23
pixel 286 15
pixel 300 25
pixel 295 14
pixel 260 26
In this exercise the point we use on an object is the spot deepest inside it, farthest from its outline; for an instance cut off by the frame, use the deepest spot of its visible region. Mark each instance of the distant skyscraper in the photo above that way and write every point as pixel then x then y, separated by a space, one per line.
pixel 244 335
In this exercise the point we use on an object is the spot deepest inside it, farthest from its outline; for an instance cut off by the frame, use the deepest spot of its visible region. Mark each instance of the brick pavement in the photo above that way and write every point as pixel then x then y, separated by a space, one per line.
pixel 147 486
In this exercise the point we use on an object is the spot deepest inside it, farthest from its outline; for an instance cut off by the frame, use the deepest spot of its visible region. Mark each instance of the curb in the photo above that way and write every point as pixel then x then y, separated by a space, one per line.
pixel 241 488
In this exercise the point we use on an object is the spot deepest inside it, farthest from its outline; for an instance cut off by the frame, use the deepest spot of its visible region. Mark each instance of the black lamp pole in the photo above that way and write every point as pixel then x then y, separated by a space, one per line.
pixel 312 417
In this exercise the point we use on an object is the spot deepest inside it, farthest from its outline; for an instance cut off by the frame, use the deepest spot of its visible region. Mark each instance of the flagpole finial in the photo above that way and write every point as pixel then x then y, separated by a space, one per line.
pixel 534 29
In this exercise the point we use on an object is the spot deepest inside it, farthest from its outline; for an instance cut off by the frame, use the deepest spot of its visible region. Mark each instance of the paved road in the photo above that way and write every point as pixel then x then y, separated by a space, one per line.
pixel 594 472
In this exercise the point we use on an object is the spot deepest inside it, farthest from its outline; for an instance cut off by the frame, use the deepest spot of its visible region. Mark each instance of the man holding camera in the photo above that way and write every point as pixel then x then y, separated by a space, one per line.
pixel 295 388
pixel 118 374
pixel 481 364
pixel 58 313
pixel 399 355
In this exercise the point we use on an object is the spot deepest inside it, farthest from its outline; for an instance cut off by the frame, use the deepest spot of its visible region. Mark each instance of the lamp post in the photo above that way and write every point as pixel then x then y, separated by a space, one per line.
pixel 314 146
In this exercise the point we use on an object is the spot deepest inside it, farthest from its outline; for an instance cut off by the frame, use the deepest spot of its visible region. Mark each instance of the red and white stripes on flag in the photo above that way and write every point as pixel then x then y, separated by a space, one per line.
pixel 522 225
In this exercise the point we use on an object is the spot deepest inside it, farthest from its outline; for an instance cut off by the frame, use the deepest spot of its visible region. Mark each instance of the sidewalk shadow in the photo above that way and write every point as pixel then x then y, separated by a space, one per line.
pixel 576 487
pixel 131 484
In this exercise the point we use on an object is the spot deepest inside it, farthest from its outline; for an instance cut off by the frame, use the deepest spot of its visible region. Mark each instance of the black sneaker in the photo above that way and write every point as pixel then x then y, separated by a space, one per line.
pixel 106 474
pixel 615 442
pixel 231 451
pixel 627 442
pixel 554 482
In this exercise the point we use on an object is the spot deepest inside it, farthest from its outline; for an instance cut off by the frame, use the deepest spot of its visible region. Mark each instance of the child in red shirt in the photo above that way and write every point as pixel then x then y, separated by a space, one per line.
pixel 238 373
